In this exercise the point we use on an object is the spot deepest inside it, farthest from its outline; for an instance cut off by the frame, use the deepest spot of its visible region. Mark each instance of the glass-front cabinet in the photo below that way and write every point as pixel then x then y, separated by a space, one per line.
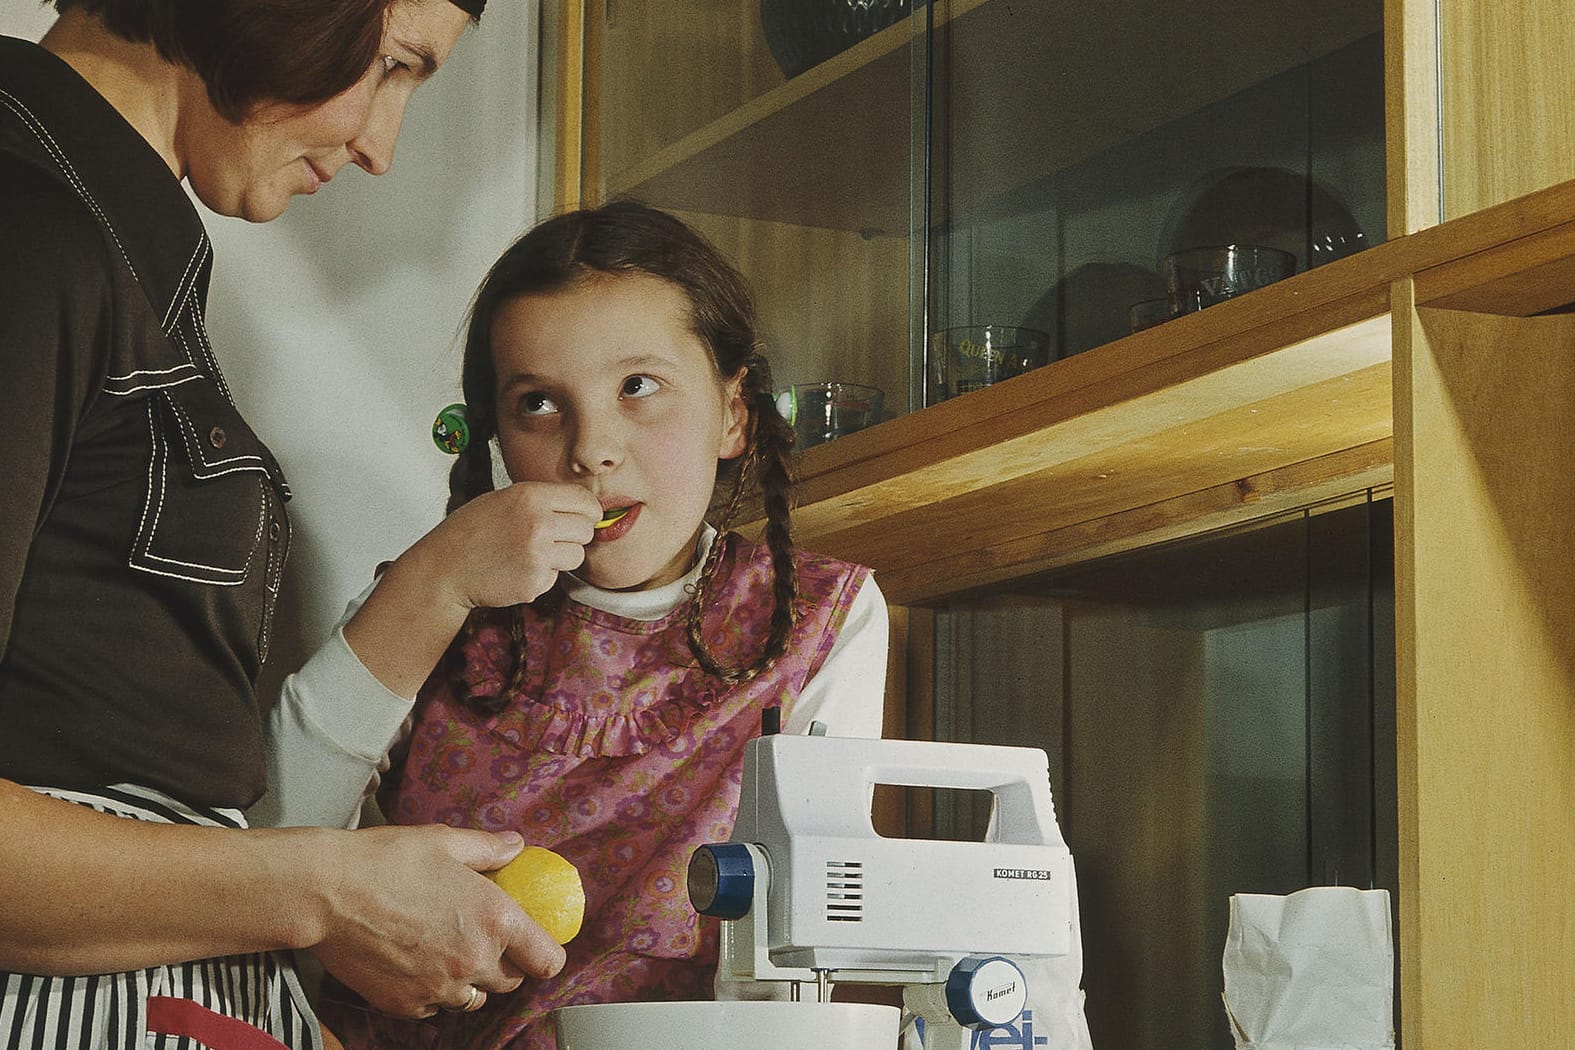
pixel 932 198
pixel 1196 379
pixel 1097 168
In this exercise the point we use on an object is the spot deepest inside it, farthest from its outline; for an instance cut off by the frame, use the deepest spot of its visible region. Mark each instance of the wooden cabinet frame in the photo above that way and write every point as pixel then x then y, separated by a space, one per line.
pixel 1417 363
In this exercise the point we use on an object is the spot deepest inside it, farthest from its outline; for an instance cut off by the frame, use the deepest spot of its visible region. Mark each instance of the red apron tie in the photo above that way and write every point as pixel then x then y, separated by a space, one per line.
pixel 168 1015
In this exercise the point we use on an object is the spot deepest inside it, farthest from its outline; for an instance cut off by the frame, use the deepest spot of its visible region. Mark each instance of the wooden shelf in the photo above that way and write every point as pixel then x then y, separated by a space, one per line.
pixel 1259 405
pixel 823 149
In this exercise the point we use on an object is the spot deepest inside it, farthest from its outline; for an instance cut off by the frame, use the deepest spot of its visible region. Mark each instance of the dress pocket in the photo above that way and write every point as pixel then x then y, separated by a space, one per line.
pixel 206 512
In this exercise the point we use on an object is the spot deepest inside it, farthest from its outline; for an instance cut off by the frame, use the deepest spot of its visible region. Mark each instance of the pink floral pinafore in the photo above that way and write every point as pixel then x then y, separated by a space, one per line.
pixel 622 755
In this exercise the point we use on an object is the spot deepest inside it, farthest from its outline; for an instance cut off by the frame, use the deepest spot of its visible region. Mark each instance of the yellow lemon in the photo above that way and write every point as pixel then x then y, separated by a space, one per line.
pixel 548 888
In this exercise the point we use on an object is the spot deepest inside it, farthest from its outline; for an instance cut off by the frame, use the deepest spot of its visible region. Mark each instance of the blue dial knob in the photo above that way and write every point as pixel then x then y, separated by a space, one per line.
pixel 722 880
pixel 985 991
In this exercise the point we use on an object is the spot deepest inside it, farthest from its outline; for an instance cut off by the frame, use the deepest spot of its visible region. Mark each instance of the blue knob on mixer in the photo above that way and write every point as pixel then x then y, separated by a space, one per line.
pixel 722 880
pixel 985 991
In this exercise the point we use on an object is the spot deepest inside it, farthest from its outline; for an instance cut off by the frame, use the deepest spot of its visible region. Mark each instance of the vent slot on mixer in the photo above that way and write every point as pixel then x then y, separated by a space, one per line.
pixel 844 891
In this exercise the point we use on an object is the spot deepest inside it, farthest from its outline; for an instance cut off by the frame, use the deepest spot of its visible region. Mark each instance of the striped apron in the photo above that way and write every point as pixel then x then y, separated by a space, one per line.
pixel 239 1002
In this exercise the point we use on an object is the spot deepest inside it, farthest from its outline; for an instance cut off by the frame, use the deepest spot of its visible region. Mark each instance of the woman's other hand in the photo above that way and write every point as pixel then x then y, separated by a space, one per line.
pixel 411 926
pixel 400 914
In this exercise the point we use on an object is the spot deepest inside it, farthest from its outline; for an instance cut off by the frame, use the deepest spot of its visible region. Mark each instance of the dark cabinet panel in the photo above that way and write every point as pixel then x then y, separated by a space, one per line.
pixel 1220 719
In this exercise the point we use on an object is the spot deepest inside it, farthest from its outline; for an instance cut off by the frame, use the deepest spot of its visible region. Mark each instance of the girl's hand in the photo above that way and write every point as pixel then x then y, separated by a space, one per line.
pixel 500 549
pixel 412 926
pixel 507 547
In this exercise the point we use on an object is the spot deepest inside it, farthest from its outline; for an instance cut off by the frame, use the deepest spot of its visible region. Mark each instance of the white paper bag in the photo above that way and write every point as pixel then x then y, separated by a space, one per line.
pixel 1310 971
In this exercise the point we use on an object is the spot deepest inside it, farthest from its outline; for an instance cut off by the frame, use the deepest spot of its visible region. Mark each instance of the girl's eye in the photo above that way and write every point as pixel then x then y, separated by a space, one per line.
pixel 536 403
pixel 391 65
pixel 639 386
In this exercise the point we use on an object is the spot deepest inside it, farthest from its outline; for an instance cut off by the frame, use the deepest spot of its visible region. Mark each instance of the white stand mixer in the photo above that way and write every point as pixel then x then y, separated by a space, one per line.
pixel 810 895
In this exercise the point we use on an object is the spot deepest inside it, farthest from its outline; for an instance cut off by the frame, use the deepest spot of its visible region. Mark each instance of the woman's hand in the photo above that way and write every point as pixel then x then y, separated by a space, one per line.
pixel 400 914
pixel 500 549
pixel 411 926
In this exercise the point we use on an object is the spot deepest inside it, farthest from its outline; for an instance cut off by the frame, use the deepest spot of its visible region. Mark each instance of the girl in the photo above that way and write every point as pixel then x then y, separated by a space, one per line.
pixel 614 352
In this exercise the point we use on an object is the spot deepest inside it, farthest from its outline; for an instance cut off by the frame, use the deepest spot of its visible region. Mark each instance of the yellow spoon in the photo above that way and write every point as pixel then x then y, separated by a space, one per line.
pixel 608 517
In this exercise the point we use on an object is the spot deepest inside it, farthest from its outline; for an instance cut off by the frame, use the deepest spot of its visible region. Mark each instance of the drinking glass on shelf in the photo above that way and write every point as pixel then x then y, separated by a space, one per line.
pixel 971 357
pixel 1149 313
pixel 820 412
pixel 1199 277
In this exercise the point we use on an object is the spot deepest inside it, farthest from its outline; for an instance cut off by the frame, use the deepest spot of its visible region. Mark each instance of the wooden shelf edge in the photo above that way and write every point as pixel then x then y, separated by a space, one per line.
pixel 1306 335
pixel 1247 500
pixel 1122 409
pixel 1495 261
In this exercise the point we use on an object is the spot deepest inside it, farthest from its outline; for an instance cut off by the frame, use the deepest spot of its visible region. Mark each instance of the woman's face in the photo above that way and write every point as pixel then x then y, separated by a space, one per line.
pixel 605 384
pixel 252 169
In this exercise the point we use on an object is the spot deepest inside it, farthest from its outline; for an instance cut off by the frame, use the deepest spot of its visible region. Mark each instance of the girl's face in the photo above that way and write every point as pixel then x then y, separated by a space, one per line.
pixel 252 169
pixel 605 384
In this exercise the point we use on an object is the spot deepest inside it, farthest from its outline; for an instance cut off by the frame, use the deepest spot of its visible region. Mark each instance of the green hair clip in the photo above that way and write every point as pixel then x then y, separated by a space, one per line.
pixel 451 429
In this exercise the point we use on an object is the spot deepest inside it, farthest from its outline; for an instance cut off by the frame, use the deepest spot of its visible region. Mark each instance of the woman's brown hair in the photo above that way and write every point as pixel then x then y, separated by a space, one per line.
pixel 250 52
pixel 626 238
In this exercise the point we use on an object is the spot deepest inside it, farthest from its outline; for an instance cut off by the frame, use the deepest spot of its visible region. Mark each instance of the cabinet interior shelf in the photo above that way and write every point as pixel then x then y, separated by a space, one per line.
pixel 822 149
pixel 1259 405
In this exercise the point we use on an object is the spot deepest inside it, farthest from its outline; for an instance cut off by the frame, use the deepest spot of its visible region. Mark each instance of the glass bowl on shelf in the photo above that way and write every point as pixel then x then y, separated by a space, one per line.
pixel 820 412
pixel 1268 206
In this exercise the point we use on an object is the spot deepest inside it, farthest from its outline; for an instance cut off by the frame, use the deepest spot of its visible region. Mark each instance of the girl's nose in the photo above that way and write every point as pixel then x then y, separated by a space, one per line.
pixel 595 450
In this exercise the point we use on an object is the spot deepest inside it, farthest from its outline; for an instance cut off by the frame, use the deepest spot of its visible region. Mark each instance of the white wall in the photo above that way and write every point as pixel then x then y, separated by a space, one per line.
pixel 339 325
pixel 24 18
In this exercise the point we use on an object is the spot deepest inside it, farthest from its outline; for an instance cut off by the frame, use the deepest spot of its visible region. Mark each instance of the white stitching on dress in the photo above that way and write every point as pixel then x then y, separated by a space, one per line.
pixel 176 336
pixel 182 289
pixel 273 574
pixel 191 432
pixel 156 386
pixel 143 544
pixel 47 140
pixel 57 154
pixel 153 461
pixel 159 449
pixel 213 360
pixel 145 372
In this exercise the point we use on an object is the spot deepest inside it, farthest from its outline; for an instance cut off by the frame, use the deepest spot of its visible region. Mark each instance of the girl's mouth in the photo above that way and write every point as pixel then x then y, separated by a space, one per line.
pixel 616 523
pixel 613 515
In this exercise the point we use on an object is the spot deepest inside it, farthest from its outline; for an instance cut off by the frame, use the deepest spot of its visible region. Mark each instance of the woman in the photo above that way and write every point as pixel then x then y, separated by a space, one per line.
pixel 143 534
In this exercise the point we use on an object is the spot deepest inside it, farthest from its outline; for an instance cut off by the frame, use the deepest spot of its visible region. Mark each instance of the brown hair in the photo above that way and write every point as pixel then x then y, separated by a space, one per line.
pixel 249 52
pixel 626 237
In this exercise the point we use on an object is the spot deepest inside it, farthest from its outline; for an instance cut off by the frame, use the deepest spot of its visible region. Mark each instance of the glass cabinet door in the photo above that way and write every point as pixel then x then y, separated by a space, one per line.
pixel 930 197
pixel 781 129
pixel 1098 168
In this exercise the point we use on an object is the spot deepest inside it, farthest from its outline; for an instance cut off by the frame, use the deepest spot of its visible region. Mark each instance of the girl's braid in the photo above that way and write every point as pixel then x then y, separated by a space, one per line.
pixel 471 474
pixel 769 457
pixel 469 477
